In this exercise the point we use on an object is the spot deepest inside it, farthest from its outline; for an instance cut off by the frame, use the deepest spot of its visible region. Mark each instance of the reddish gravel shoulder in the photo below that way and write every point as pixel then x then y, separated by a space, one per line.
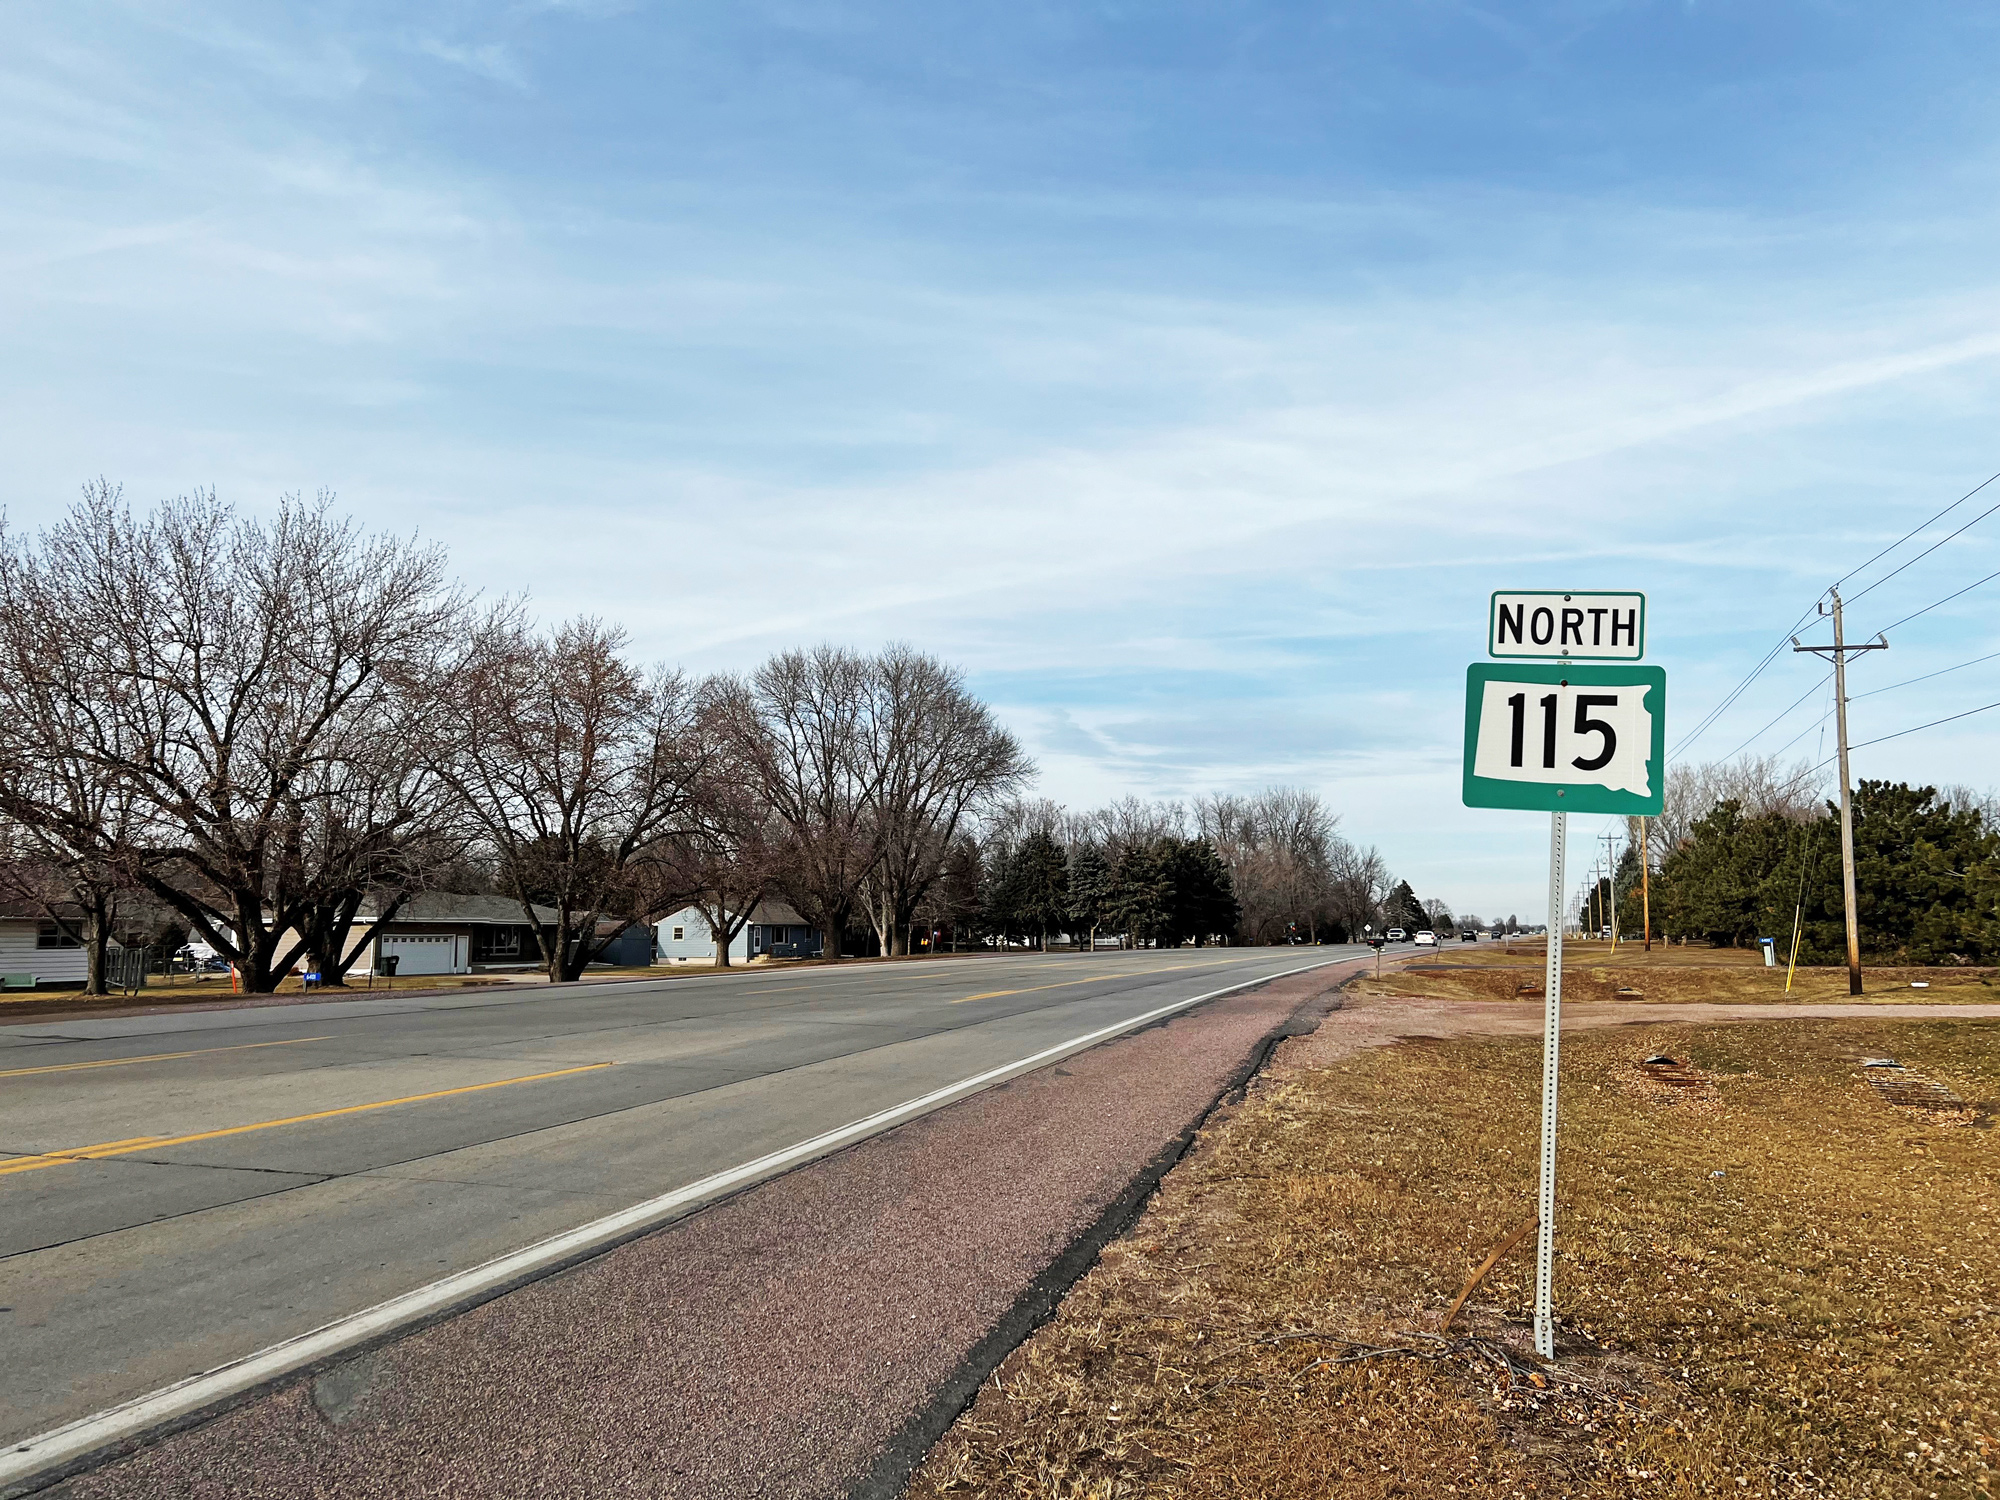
pixel 808 1338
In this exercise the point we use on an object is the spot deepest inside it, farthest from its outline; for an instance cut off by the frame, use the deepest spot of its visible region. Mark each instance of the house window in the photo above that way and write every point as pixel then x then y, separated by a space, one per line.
pixel 503 943
pixel 680 935
pixel 54 935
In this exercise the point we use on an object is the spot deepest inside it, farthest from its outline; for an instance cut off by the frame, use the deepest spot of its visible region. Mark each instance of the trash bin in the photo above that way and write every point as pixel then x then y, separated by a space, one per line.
pixel 388 964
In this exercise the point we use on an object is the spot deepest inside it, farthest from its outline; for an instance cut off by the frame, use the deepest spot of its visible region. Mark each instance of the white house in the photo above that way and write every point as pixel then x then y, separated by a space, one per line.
pixel 31 944
pixel 774 930
pixel 440 932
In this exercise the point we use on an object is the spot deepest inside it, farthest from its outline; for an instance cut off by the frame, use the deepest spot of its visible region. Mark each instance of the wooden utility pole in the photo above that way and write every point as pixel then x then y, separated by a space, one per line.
pixel 1645 889
pixel 1838 652
pixel 1611 865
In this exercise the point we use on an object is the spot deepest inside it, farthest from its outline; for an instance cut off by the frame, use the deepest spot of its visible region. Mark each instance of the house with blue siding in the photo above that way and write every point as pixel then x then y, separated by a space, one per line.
pixel 773 931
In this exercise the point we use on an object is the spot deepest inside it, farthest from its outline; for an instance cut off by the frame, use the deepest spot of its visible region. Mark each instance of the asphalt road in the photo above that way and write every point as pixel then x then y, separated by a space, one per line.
pixel 178 1191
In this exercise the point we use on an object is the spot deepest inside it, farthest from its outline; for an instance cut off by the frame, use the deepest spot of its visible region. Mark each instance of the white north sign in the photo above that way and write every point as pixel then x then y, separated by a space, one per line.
pixel 1554 626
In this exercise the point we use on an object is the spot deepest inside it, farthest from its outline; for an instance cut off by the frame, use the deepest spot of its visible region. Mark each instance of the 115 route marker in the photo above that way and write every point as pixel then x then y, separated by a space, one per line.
pixel 1546 732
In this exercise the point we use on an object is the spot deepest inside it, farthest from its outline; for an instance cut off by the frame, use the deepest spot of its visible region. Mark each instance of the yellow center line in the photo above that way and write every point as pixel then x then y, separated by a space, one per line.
pixel 160 1143
pixel 1093 979
pixel 119 1062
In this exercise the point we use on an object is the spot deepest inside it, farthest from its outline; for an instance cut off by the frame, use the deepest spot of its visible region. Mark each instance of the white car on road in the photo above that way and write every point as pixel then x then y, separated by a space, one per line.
pixel 1427 939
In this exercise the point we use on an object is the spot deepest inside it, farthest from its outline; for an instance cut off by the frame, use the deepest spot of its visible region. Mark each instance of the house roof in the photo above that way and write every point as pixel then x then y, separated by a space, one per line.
pixel 448 906
pixel 16 910
pixel 765 914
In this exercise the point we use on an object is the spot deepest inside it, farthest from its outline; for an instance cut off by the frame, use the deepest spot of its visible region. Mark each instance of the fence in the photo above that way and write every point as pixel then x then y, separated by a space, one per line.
pixel 125 969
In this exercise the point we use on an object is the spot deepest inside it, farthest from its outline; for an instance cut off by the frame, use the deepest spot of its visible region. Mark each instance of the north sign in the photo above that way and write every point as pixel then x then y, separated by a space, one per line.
pixel 1554 626
pixel 1566 738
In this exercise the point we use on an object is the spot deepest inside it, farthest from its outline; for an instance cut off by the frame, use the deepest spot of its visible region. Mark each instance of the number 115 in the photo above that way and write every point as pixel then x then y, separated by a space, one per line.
pixel 1586 724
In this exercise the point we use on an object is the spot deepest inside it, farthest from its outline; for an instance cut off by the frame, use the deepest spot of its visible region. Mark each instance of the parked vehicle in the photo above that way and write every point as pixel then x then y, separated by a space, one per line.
pixel 1427 939
pixel 198 958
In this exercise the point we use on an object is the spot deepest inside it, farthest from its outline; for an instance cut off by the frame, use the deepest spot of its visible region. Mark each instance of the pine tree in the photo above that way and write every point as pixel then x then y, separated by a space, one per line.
pixel 1042 884
pixel 1140 893
pixel 1000 895
pixel 1090 887
pixel 1203 901
pixel 1403 909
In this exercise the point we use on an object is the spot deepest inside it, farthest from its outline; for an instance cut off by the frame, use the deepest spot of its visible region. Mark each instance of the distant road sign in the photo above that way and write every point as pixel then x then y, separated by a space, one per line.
pixel 1562 738
pixel 1548 624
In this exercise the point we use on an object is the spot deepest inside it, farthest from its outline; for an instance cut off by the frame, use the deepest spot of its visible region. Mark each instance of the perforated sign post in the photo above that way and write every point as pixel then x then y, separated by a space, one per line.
pixel 1563 736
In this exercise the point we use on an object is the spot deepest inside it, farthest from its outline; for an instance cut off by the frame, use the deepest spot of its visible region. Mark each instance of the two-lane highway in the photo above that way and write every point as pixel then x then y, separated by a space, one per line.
pixel 180 1191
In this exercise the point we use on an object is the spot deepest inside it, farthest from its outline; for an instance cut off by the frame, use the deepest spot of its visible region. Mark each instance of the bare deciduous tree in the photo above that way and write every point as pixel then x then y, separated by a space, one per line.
pixel 1762 783
pixel 727 858
pixel 802 721
pixel 934 756
pixel 213 668
pixel 576 769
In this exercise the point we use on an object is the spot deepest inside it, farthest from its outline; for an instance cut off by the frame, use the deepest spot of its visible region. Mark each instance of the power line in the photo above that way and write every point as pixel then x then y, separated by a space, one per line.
pixel 1949 718
pixel 1945 600
pixel 1856 697
pixel 1741 688
pixel 1795 703
pixel 1908 534
pixel 1744 686
pixel 1821 724
pixel 1926 552
pixel 1881 738
pixel 1925 678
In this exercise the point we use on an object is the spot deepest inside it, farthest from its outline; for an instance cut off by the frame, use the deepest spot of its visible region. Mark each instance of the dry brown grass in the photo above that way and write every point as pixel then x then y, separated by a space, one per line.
pixel 1592 971
pixel 1774 1283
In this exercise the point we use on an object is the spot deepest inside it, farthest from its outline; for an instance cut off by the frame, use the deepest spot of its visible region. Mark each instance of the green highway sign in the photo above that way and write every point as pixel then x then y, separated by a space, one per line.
pixel 1565 737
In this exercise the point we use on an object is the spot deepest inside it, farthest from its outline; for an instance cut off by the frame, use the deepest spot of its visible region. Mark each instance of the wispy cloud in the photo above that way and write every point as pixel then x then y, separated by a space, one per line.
pixel 1192 386
pixel 489 60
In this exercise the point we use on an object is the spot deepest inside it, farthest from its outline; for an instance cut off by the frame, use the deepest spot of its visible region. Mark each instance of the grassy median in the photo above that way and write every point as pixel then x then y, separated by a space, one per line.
pixel 1774 1279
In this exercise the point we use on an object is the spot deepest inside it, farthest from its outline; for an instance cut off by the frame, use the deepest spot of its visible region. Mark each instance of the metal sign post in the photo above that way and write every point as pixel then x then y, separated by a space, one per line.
pixel 1559 736
pixel 1552 987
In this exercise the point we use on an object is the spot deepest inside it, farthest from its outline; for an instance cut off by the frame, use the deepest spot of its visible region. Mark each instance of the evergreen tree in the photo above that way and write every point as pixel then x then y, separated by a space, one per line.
pixel 1926 881
pixel 1041 885
pixel 1090 887
pixel 1926 875
pixel 1403 909
pixel 1001 896
pixel 1202 897
pixel 1140 891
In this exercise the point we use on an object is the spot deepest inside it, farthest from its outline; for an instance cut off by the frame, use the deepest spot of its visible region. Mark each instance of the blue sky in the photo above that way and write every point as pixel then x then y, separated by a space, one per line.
pixel 1188 373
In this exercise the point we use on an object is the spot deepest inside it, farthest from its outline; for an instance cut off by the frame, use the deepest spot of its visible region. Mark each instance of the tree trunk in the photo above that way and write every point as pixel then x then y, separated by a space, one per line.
pixel 258 971
pixel 558 953
pixel 96 939
pixel 722 947
pixel 578 953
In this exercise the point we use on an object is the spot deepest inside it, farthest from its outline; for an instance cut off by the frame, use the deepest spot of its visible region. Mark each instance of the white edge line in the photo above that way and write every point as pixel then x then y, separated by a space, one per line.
pixel 60 1445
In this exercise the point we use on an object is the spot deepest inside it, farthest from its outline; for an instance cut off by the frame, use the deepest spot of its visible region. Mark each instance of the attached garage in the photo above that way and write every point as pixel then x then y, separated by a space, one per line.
pixel 428 952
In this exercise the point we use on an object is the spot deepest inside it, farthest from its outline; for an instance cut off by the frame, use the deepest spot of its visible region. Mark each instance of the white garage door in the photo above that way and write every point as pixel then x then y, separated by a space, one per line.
pixel 423 952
